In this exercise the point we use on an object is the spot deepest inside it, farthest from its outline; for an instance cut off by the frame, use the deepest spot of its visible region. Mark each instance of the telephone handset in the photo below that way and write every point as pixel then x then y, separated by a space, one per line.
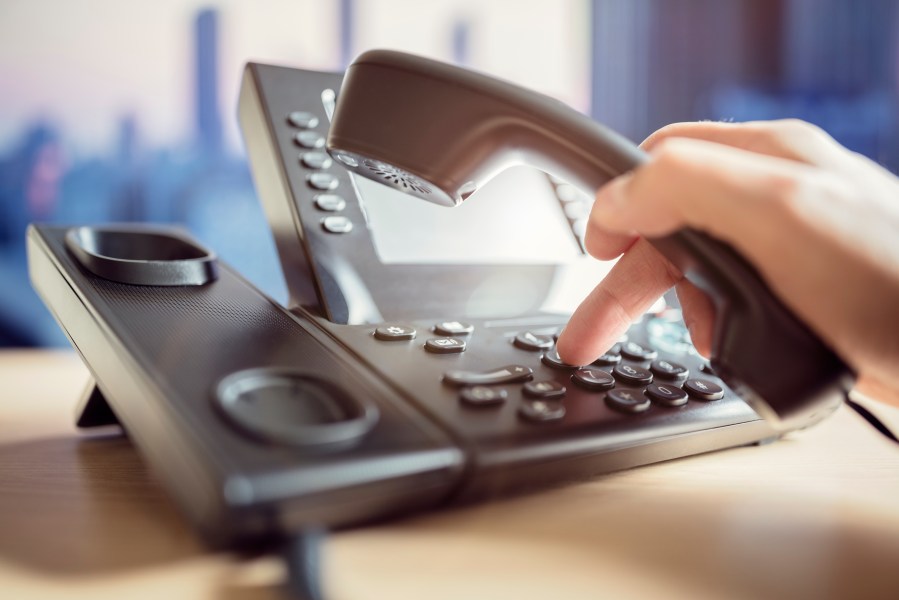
pixel 440 132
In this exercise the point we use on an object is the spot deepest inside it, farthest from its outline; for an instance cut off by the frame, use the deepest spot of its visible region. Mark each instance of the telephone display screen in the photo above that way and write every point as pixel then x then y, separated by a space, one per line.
pixel 515 219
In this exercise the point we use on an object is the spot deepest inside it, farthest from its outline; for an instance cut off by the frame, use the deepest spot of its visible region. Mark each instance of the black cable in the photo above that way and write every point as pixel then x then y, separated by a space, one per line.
pixel 868 416
pixel 302 553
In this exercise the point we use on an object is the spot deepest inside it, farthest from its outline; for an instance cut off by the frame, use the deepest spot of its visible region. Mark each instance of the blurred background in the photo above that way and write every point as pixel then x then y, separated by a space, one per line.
pixel 125 111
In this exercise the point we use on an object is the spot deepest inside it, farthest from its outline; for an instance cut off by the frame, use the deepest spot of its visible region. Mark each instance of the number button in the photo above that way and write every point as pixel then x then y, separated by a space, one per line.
pixel 543 389
pixel 703 389
pixel 669 370
pixel 667 395
pixel 628 401
pixel 635 351
pixel 632 375
pixel 593 379
pixel 611 357
pixel 541 411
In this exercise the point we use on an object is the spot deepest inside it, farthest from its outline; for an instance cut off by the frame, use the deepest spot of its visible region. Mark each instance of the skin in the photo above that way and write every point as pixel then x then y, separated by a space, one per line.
pixel 820 223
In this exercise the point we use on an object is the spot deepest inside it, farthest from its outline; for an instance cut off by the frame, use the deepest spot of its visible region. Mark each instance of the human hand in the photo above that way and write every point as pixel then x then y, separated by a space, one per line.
pixel 819 223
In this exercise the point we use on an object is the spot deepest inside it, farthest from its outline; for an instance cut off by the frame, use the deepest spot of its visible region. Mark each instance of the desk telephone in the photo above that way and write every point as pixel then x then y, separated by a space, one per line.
pixel 414 365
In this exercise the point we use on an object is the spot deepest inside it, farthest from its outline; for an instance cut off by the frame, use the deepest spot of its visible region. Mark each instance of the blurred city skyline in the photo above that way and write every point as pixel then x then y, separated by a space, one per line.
pixel 126 111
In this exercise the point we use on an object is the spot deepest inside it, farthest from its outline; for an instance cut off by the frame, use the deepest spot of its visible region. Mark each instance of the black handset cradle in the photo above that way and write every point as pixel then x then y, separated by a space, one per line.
pixel 439 133
pixel 414 365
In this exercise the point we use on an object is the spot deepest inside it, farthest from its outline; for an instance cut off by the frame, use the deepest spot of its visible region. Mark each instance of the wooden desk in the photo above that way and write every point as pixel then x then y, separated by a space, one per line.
pixel 815 516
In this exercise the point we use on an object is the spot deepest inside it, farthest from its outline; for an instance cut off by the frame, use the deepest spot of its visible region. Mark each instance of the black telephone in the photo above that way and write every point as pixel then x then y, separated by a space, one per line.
pixel 414 366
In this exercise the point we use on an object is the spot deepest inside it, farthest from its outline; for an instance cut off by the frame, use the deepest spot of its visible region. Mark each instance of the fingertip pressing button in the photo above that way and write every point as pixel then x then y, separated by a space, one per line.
pixel 552 359
pixel 593 378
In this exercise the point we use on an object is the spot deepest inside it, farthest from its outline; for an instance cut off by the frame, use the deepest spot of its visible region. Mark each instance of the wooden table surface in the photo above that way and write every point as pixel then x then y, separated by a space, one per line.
pixel 812 516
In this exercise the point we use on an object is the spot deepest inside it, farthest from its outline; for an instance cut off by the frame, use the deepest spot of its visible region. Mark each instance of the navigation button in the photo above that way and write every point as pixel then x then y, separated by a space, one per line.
pixel 445 345
pixel 453 328
pixel 541 411
pixel 528 340
pixel 543 389
pixel 394 333
pixel 481 395
pixel 507 374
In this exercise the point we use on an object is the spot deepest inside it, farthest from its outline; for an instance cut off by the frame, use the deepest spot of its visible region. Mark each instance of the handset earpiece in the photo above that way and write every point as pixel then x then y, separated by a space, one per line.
pixel 440 132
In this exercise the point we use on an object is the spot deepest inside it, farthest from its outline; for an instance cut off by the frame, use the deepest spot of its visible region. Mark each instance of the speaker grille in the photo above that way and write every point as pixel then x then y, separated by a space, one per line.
pixel 398 178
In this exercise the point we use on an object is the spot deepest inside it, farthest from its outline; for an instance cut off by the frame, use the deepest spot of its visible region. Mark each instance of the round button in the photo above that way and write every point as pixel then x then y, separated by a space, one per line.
pixel 593 378
pixel 302 119
pixel 667 395
pixel 316 160
pixel 543 389
pixel 337 224
pixel 283 406
pixel 445 345
pixel 322 181
pixel 612 357
pixel 703 389
pixel 541 411
pixel 528 340
pixel 394 333
pixel 481 395
pixel 330 202
pixel 552 359
pixel 631 374
pixel 635 351
pixel 669 370
pixel 309 139
pixel 453 328
pixel 628 401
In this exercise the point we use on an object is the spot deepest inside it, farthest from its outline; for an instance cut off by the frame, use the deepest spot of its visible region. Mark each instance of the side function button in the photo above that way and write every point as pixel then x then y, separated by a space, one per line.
pixel 309 139
pixel 302 119
pixel 667 395
pixel 337 224
pixel 635 351
pixel 322 181
pixel 703 389
pixel 445 345
pixel 612 357
pixel 453 328
pixel 632 375
pixel 543 389
pixel 529 340
pixel 316 160
pixel 541 411
pixel 628 401
pixel 593 378
pixel 507 374
pixel 669 370
pixel 329 202
pixel 552 359
pixel 394 333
